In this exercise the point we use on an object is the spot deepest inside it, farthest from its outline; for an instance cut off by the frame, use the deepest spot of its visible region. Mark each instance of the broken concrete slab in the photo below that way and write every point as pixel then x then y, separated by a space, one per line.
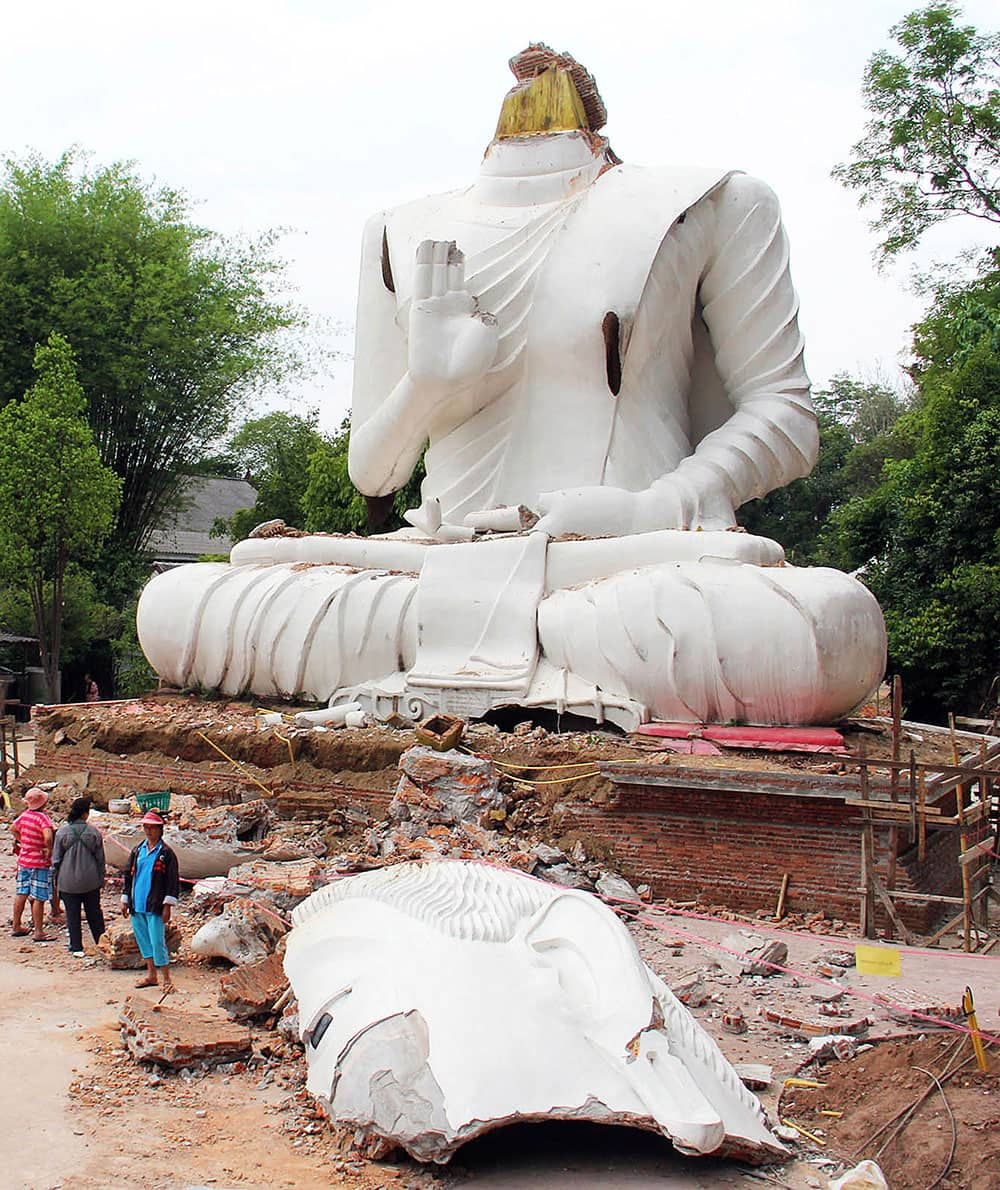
pixel 446 788
pixel 616 890
pixel 690 989
pixel 244 932
pixel 119 949
pixel 253 989
pixel 176 1038
pixel 763 955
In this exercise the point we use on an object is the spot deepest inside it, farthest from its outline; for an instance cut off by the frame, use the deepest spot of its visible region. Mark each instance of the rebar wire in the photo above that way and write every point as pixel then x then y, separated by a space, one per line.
pixel 954 1129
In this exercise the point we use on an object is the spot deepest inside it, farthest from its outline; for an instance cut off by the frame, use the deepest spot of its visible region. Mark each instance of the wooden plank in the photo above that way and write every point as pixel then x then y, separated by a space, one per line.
pixel 977 850
pixel 945 929
pixel 779 911
pixel 885 896
pixel 890 808
pixel 930 898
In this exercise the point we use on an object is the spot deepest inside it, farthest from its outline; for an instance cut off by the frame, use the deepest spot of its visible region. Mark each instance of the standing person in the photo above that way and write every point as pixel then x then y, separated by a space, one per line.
pixel 33 835
pixel 78 873
pixel 151 890
pixel 90 690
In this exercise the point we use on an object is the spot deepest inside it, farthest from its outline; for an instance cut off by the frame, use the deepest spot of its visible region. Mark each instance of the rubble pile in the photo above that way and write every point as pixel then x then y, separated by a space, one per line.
pixel 177 1037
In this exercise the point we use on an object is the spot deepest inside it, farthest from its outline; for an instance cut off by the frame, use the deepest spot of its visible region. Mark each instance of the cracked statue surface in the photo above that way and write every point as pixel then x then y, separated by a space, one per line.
pixel 439 1000
pixel 602 362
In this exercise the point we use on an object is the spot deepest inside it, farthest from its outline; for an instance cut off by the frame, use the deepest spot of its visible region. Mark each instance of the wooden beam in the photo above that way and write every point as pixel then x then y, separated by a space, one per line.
pixel 890 808
pixel 945 929
pixel 977 850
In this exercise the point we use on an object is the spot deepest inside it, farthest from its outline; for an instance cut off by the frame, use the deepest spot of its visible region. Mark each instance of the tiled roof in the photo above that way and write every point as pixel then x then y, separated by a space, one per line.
pixel 187 534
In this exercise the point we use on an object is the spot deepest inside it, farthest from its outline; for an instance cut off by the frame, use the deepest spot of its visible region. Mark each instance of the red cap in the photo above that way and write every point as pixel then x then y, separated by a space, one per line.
pixel 151 818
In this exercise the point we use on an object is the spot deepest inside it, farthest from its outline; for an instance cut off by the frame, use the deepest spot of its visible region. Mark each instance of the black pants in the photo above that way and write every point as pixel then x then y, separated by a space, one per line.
pixel 90 902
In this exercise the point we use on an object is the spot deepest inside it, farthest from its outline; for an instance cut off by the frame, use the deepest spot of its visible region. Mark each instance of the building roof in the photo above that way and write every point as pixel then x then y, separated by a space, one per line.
pixel 186 535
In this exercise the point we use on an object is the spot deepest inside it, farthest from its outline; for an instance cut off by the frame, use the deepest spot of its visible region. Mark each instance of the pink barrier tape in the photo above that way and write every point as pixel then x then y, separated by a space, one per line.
pixel 938 1022
pixel 774 927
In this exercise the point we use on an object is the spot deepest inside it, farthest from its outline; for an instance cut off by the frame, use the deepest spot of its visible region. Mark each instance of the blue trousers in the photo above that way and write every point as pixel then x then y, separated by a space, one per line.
pixel 151 936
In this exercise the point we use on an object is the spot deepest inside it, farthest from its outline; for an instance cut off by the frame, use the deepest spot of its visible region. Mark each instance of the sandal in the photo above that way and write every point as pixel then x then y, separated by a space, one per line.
pixel 43 939
pixel 19 933
pixel 146 983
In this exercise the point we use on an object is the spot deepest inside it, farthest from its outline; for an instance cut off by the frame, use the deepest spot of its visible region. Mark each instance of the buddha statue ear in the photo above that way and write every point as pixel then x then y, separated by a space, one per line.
pixel 590 951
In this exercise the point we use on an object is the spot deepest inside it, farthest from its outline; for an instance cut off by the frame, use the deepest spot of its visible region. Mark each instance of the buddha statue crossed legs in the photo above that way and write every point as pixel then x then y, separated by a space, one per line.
pixel 603 362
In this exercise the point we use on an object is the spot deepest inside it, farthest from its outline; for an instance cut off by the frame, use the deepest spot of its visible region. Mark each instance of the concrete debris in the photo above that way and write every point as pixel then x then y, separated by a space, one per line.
pixel 176 1038
pixel 690 990
pixel 866 1176
pixel 243 932
pixel 548 855
pixel 901 1002
pixel 286 882
pixel 207 842
pixel 566 876
pixel 833 1047
pixel 803 1027
pixel 253 989
pixel 446 788
pixel 734 1021
pixel 617 891
pixel 120 950
pixel 764 955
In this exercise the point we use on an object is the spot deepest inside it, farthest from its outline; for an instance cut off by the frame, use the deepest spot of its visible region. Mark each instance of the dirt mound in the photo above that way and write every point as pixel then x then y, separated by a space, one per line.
pixel 876 1085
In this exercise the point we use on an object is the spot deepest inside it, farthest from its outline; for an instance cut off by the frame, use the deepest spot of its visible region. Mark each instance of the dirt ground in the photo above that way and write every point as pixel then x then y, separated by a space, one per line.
pixel 80 1114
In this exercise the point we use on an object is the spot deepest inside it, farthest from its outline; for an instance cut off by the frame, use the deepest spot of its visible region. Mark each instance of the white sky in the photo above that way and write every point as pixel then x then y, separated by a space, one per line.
pixel 310 116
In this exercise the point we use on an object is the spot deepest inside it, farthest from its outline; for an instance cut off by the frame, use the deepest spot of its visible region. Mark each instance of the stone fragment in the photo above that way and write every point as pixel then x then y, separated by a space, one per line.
pixel 567 876
pixel 253 989
pixel 690 990
pixel 243 932
pixel 616 889
pixel 120 950
pixel 445 787
pixel 833 1047
pixel 548 855
pixel 763 955
pixel 286 882
pixel 866 1176
pixel 176 1038
pixel 826 995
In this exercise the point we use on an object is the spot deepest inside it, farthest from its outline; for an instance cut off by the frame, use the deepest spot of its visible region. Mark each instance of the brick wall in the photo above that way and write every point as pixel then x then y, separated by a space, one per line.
pixel 718 846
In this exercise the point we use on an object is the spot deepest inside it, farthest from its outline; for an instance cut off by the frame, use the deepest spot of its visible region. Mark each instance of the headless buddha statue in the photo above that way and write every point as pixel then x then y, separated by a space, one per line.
pixel 601 362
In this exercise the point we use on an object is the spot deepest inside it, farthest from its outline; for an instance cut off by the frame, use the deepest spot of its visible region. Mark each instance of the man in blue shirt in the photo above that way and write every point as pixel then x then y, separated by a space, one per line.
pixel 151 890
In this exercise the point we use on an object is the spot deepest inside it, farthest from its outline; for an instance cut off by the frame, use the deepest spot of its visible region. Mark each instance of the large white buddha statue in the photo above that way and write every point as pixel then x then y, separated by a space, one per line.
pixel 601 362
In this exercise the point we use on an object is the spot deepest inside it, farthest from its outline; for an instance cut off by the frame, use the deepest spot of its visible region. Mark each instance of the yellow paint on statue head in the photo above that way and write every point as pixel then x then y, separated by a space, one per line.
pixel 550 102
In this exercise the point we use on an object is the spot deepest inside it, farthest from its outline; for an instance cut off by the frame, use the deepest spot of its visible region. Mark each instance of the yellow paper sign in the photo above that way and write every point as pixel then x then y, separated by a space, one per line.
pixel 876 960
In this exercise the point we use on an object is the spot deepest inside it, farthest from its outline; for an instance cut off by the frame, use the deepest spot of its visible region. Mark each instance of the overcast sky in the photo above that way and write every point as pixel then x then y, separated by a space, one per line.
pixel 310 116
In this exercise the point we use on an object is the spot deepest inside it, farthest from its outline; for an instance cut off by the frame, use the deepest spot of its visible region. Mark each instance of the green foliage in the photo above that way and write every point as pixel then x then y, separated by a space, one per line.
pixel 171 325
pixel 133 673
pixel 334 505
pixel 86 617
pixel 301 476
pixel 274 452
pixel 57 500
pixel 856 424
pixel 928 536
pixel 931 149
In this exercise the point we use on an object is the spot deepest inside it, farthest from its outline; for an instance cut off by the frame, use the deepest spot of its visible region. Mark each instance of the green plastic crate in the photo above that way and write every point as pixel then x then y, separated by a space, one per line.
pixel 154 801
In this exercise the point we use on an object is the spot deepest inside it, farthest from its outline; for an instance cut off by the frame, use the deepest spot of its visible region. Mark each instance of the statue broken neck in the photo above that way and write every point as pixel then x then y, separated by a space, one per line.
pixel 534 170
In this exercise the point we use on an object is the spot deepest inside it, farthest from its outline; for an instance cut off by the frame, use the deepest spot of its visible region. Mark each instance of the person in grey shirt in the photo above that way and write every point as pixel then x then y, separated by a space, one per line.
pixel 78 870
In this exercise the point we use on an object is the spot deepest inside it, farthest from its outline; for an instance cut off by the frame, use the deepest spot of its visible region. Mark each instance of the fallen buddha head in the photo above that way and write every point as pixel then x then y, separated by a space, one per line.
pixel 440 1000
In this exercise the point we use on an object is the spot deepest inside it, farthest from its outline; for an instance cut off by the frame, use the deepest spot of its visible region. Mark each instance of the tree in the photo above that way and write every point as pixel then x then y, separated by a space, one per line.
pixel 172 326
pixel 57 500
pixel 856 436
pixel 928 536
pixel 273 452
pixel 931 149
pixel 334 505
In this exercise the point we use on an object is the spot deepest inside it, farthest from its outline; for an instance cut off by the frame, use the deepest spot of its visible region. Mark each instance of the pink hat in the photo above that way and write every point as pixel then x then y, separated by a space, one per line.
pixel 35 798
pixel 151 818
